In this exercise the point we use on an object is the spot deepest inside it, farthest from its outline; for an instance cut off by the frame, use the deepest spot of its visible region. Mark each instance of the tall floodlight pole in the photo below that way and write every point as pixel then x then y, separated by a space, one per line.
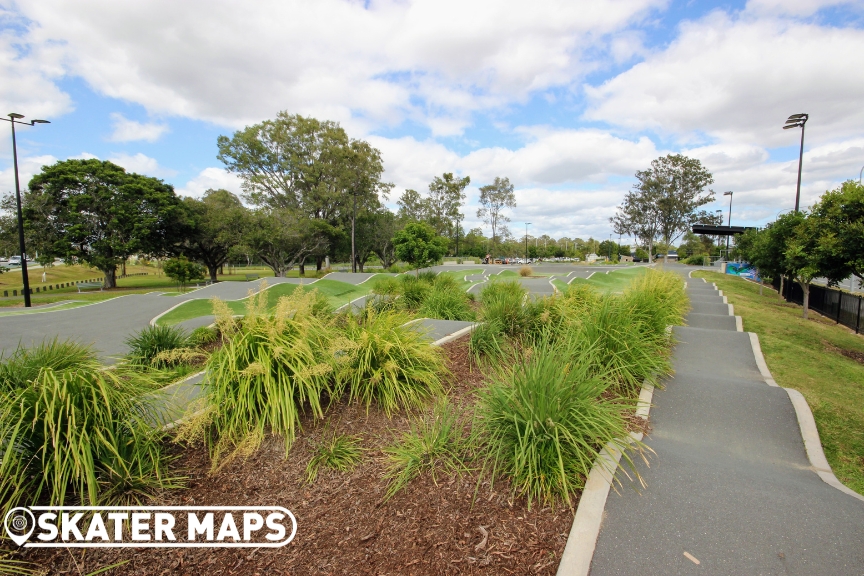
pixel 13 119
pixel 526 241
pixel 798 121
pixel 729 223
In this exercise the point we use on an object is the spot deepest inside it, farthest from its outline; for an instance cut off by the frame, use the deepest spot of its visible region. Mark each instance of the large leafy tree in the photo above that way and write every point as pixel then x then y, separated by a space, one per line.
pixel 282 240
pixel 218 221
pixel 665 201
pixel 839 216
pixel 446 197
pixel 308 166
pixel 418 245
pixel 494 198
pixel 413 207
pixel 95 212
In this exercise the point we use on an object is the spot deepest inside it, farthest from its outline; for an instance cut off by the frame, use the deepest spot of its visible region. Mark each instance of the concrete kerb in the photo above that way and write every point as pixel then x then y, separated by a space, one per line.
pixel 739 324
pixel 579 550
pixel 806 425
pixel 456 335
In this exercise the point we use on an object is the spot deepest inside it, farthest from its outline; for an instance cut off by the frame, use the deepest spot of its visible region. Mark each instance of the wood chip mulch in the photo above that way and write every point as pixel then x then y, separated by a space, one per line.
pixel 344 524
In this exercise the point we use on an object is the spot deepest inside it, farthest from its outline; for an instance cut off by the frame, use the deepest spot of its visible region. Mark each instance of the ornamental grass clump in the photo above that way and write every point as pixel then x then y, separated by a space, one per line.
pixel 269 369
pixel 447 302
pixel 436 443
pixel 381 360
pixel 147 344
pixel 74 432
pixel 543 423
pixel 502 304
pixel 658 298
pixel 337 452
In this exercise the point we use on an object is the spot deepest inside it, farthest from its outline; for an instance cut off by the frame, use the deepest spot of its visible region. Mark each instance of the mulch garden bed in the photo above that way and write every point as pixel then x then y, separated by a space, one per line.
pixel 344 524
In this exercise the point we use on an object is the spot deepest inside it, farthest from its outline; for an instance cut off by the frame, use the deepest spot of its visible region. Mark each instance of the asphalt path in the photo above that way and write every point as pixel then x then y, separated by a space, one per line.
pixel 730 483
pixel 106 325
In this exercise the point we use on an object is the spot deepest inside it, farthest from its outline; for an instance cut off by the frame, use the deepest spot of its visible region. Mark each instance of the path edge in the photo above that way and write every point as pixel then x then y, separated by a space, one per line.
pixel 579 550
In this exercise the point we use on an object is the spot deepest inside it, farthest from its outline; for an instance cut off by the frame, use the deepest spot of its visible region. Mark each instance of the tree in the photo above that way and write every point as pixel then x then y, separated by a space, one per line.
pixel 412 207
pixel 839 215
pixel 385 229
pixel 446 196
pixel 183 271
pixel 95 212
pixel 282 240
pixel 494 198
pixel 218 221
pixel 637 216
pixel 665 200
pixel 418 245
pixel 308 166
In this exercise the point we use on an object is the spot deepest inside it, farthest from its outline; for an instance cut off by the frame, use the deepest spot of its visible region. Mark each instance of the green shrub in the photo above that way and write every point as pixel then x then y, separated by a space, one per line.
pixel 202 336
pixel 25 364
pixel 436 443
pixel 695 260
pixel 268 369
pixel 502 303
pixel 627 351
pixel 544 423
pixel 446 303
pixel 659 300
pixel 487 342
pixel 414 291
pixel 386 286
pixel 147 344
pixel 338 452
pixel 444 282
pixel 382 360
pixel 79 432
pixel 427 276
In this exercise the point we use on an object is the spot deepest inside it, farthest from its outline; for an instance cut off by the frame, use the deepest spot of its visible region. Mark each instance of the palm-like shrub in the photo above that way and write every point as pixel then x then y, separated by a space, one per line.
pixel 381 359
pixel 488 342
pixel 544 422
pixel 414 291
pixel 79 432
pixel 658 298
pixel 338 452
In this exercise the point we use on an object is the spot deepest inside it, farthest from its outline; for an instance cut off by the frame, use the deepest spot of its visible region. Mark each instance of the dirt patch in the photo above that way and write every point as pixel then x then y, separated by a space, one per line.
pixel 851 354
pixel 344 524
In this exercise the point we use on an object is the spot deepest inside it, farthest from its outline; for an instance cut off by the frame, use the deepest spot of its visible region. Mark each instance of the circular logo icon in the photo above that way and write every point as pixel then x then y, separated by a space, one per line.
pixel 19 524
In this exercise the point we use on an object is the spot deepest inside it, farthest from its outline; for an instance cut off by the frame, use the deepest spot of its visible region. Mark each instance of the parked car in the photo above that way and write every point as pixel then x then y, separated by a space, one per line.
pixel 15 260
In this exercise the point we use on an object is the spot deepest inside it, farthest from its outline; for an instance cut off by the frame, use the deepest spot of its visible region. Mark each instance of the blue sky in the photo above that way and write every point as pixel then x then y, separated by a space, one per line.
pixel 567 99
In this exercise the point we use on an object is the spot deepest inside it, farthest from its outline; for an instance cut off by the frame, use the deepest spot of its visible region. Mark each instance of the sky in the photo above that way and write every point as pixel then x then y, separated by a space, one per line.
pixel 566 98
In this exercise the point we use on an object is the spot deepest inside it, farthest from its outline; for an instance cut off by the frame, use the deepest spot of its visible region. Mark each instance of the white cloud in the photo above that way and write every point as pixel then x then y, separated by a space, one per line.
pixel 28 166
pixel 141 164
pixel 382 61
pixel 738 80
pixel 795 7
pixel 211 178
pixel 126 130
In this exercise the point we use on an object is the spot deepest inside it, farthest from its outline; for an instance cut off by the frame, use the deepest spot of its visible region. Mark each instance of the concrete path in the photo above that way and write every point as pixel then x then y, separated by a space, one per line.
pixel 730 484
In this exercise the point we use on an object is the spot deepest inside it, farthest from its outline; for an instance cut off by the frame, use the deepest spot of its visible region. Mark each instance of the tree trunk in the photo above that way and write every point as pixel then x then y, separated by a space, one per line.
pixel 221 270
pixel 123 268
pixel 303 267
pixel 319 260
pixel 805 287
pixel 212 270
pixel 360 264
pixel 110 280
pixel 782 279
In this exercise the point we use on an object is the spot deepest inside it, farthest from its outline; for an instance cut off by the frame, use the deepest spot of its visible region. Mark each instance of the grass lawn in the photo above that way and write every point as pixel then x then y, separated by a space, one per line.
pixel 614 281
pixel 815 357
pixel 338 293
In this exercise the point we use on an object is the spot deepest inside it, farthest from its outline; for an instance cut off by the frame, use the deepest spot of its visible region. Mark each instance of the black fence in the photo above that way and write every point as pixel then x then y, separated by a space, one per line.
pixel 844 308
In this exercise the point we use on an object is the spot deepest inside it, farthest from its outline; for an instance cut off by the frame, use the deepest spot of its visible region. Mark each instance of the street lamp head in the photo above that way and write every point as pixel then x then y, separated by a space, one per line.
pixel 797 116
pixel 39 122
pixel 15 116
pixel 729 193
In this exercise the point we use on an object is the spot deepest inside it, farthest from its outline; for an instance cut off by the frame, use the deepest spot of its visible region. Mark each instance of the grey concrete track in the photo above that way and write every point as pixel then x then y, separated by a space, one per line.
pixel 730 483
pixel 106 325
pixel 710 308
pixel 437 329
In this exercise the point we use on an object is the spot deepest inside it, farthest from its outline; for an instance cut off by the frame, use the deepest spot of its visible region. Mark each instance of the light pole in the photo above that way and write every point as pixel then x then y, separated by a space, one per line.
pixel 859 174
pixel 729 224
pixel 13 119
pixel 797 121
pixel 526 241
pixel 720 216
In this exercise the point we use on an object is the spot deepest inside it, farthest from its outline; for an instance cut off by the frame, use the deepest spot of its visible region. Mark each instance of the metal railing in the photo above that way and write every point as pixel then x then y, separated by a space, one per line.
pixel 844 308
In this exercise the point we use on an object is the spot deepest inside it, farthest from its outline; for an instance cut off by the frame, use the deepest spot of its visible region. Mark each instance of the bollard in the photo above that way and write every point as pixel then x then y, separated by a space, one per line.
pixel 14 292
